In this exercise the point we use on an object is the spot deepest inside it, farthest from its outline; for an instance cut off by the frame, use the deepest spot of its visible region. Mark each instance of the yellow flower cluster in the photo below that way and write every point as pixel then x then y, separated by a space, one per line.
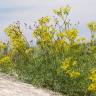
pixel 72 34
pixel 74 74
pixel 59 45
pixel 16 37
pixel 66 66
pixel 66 63
pixel 63 10
pixel 66 9
pixel 69 35
pixel 92 26
pixel 44 32
pixel 62 34
pixel 44 20
pixel 92 86
pixel 5 59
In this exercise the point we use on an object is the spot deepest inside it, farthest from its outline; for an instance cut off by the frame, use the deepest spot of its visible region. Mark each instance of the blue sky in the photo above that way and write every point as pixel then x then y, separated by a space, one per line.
pixel 29 10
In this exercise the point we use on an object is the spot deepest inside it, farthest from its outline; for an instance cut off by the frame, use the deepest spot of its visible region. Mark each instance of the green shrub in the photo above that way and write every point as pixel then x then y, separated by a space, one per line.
pixel 60 60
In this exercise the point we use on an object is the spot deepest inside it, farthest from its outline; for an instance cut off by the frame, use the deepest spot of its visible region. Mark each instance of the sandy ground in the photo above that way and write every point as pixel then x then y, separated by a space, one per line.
pixel 9 86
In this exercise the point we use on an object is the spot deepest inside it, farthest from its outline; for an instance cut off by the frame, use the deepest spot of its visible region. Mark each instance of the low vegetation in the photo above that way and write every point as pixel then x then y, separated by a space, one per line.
pixel 60 60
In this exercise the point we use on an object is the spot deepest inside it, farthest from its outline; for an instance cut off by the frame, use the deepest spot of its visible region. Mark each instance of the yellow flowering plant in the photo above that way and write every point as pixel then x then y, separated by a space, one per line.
pixel 61 56
pixel 72 35
pixel 44 32
pixel 17 39
pixel 92 27
pixel 6 64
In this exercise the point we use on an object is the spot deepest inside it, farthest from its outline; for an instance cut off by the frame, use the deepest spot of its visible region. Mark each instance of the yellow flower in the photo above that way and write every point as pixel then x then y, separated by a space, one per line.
pixel 58 12
pixel 92 26
pixel 66 63
pixel 59 45
pixel 93 75
pixel 62 11
pixel 74 74
pixel 44 20
pixel 71 34
pixel 66 9
pixel 62 34
pixel 4 60
pixel 93 78
pixel 65 66
pixel 92 87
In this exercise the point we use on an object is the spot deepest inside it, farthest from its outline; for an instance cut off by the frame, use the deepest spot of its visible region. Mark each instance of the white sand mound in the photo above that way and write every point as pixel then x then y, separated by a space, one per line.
pixel 11 87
